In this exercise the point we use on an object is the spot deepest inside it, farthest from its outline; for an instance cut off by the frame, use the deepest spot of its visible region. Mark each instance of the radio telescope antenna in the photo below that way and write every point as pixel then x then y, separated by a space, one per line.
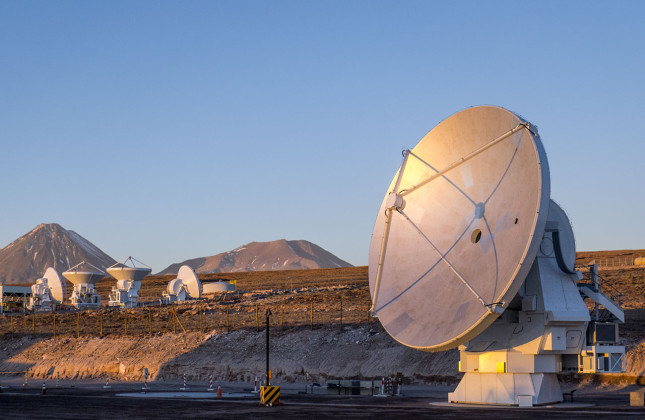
pixel 84 276
pixel 56 284
pixel 186 286
pixel 48 291
pixel 467 198
pixel 126 292
pixel 190 280
pixel 467 235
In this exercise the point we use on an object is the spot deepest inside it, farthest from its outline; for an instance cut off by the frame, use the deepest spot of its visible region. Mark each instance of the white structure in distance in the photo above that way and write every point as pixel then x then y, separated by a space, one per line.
pixel 128 277
pixel 469 251
pixel 48 291
pixel 218 287
pixel 186 286
pixel 84 275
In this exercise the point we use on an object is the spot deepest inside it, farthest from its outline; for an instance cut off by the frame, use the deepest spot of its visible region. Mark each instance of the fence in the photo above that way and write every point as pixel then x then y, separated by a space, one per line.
pixel 615 262
pixel 223 314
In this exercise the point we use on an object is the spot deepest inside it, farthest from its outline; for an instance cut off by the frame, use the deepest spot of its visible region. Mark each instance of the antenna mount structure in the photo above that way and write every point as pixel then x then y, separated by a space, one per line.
pixel 84 276
pixel 126 291
pixel 186 286
pixel 469 251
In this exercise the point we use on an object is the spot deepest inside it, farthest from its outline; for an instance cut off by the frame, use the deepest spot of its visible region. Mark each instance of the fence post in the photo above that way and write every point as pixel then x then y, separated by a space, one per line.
pixel 180 324
pixel 341 313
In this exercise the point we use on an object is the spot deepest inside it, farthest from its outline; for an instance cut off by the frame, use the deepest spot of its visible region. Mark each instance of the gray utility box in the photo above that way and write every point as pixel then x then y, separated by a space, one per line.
pixel 353 387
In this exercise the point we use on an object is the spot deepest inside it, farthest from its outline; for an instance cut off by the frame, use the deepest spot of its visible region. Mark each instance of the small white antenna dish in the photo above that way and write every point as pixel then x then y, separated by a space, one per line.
pixel 56 284
pixel 468 250
pixel 128 277
pixel 123 271
pixel 186 286
pixel 84 275
pixel 48 291
pixel 190 280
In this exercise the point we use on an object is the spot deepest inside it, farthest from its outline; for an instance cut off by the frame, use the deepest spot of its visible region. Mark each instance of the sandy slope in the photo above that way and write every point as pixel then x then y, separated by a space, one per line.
pixel 296 354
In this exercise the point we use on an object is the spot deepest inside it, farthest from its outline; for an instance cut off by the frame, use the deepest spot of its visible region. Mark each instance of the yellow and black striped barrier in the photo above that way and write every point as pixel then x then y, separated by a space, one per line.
pixel 269 395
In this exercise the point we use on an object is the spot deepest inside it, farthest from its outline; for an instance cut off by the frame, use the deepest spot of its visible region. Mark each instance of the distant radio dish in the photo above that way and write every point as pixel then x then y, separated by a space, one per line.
pixel 128 277
pixel 84 275
pixel 132 273
pixel 189 278
pixel 186 286
pixel 56 284
pixel 48 291
pixel 459 228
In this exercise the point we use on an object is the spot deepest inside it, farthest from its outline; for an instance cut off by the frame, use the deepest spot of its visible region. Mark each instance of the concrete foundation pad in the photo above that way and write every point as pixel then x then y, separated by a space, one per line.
pixel 208 395
pixel 498 406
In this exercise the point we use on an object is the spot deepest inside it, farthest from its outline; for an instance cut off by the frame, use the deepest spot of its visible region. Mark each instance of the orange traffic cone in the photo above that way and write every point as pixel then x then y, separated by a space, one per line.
pixel 219 391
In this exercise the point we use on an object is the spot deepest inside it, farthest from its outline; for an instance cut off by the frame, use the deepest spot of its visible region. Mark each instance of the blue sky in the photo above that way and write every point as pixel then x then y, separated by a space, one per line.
pixel 171 130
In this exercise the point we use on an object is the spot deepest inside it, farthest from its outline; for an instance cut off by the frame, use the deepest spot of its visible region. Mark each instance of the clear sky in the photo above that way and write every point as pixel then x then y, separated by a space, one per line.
pixel 171 130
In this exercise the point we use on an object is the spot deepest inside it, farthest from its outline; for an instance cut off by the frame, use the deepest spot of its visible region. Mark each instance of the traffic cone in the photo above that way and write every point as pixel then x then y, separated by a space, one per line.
pixel 219 391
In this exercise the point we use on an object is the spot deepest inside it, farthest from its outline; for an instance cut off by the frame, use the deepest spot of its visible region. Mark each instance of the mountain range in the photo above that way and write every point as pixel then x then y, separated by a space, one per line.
pixel 47 245
pixel 264 256
pixel 50 245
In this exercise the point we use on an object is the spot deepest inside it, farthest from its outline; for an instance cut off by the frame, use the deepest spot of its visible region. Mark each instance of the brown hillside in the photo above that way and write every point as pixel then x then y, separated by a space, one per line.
pixel 264 256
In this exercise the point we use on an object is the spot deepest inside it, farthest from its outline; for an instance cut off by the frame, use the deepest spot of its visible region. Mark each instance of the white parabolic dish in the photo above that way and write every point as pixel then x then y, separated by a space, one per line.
pixel 83 277
pixel 122 272
pixel 189 278
pixel 465 224
pixel 56 284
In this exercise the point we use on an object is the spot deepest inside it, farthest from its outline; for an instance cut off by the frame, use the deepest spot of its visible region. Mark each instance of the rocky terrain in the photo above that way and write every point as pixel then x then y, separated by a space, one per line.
pixel 298 354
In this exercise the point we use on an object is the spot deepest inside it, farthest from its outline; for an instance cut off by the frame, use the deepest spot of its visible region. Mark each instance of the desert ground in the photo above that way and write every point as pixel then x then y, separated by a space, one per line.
pixel 320 330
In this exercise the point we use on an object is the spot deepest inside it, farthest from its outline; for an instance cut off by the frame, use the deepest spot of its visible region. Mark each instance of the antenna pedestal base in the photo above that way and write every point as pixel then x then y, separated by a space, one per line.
pixel 523 389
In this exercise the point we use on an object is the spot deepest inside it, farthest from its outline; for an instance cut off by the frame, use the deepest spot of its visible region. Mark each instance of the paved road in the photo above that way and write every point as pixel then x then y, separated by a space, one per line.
pixel 90 400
